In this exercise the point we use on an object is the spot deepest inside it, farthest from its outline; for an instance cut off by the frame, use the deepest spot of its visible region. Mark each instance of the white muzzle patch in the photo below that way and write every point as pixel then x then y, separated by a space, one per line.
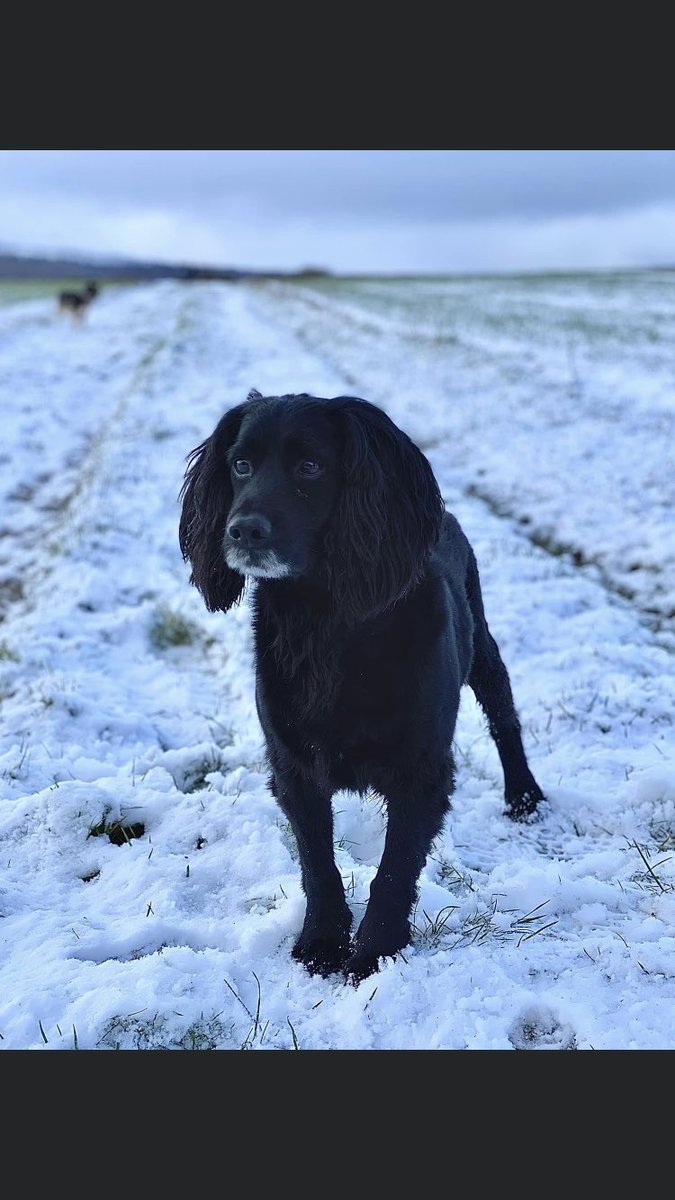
pixel 265 566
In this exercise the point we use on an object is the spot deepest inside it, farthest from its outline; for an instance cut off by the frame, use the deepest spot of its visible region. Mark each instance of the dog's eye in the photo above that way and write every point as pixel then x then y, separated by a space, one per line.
pixel 309 468
pixel 242 466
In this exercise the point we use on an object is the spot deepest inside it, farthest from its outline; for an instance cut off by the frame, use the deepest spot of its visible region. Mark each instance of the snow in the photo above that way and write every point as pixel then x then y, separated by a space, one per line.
pixel 545 408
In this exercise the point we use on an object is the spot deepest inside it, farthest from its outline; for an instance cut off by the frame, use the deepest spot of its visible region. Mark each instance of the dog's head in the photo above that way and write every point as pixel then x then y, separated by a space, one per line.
pixel 296 486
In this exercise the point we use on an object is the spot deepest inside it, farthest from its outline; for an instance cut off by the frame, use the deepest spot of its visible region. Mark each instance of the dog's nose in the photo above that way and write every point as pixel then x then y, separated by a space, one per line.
pixel 250 532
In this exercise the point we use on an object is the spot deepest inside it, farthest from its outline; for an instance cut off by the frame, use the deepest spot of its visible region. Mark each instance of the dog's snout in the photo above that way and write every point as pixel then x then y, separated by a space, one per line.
pixel 250 532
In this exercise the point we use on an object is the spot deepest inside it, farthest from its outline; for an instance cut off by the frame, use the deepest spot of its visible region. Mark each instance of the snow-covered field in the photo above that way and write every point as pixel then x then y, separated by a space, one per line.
pixel 149 888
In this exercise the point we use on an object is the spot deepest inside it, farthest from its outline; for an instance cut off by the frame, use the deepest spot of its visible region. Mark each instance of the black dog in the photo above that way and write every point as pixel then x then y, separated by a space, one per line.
pixel 77 303
pixel 368 618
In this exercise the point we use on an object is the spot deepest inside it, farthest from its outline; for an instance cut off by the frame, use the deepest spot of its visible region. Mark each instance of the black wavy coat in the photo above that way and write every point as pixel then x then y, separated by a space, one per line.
pixel 368 619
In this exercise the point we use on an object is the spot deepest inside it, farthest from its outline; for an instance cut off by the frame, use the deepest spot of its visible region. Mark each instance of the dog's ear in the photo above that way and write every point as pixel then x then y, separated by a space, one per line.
pixel 388 516
pixel 254 394
pixel 206 496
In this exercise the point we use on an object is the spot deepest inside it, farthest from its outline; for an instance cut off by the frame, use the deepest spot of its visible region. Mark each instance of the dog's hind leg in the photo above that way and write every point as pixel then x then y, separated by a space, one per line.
pixel 323 944
pixel 490 682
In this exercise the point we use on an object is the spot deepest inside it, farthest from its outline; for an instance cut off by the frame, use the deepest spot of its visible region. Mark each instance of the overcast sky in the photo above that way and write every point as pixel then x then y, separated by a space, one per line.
pixel 346 210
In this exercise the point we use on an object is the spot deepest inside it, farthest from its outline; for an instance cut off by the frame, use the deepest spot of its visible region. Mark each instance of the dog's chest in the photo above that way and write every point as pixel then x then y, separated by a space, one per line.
pixel 345 692
pixel 333 688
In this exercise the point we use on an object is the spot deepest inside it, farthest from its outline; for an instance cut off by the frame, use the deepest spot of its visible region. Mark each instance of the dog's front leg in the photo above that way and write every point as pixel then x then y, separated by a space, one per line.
pixel 323 945
pixel 414 820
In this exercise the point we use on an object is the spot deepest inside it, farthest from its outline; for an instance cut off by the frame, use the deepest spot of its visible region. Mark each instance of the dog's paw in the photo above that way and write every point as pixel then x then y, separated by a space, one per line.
pixel 359 967
pixel 524 805
pixel 374 942
pixel 322 955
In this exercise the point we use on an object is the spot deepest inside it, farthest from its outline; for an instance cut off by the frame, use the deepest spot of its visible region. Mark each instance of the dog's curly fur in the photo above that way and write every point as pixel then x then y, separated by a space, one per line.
pixel 368 619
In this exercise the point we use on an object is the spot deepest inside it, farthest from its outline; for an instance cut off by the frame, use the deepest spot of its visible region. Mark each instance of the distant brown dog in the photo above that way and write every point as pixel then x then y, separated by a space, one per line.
pixel 77 303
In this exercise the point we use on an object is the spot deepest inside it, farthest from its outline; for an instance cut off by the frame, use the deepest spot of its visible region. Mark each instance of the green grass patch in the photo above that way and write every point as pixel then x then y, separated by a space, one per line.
pixel 152 1033
pixel 7 654
pixel 170 628
pixel 14 291
pixel 120 833
pixel 193 778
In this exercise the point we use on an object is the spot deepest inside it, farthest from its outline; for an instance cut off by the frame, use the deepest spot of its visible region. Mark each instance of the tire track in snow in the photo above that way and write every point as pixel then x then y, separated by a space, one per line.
pixel 660 623
pixel 69 387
